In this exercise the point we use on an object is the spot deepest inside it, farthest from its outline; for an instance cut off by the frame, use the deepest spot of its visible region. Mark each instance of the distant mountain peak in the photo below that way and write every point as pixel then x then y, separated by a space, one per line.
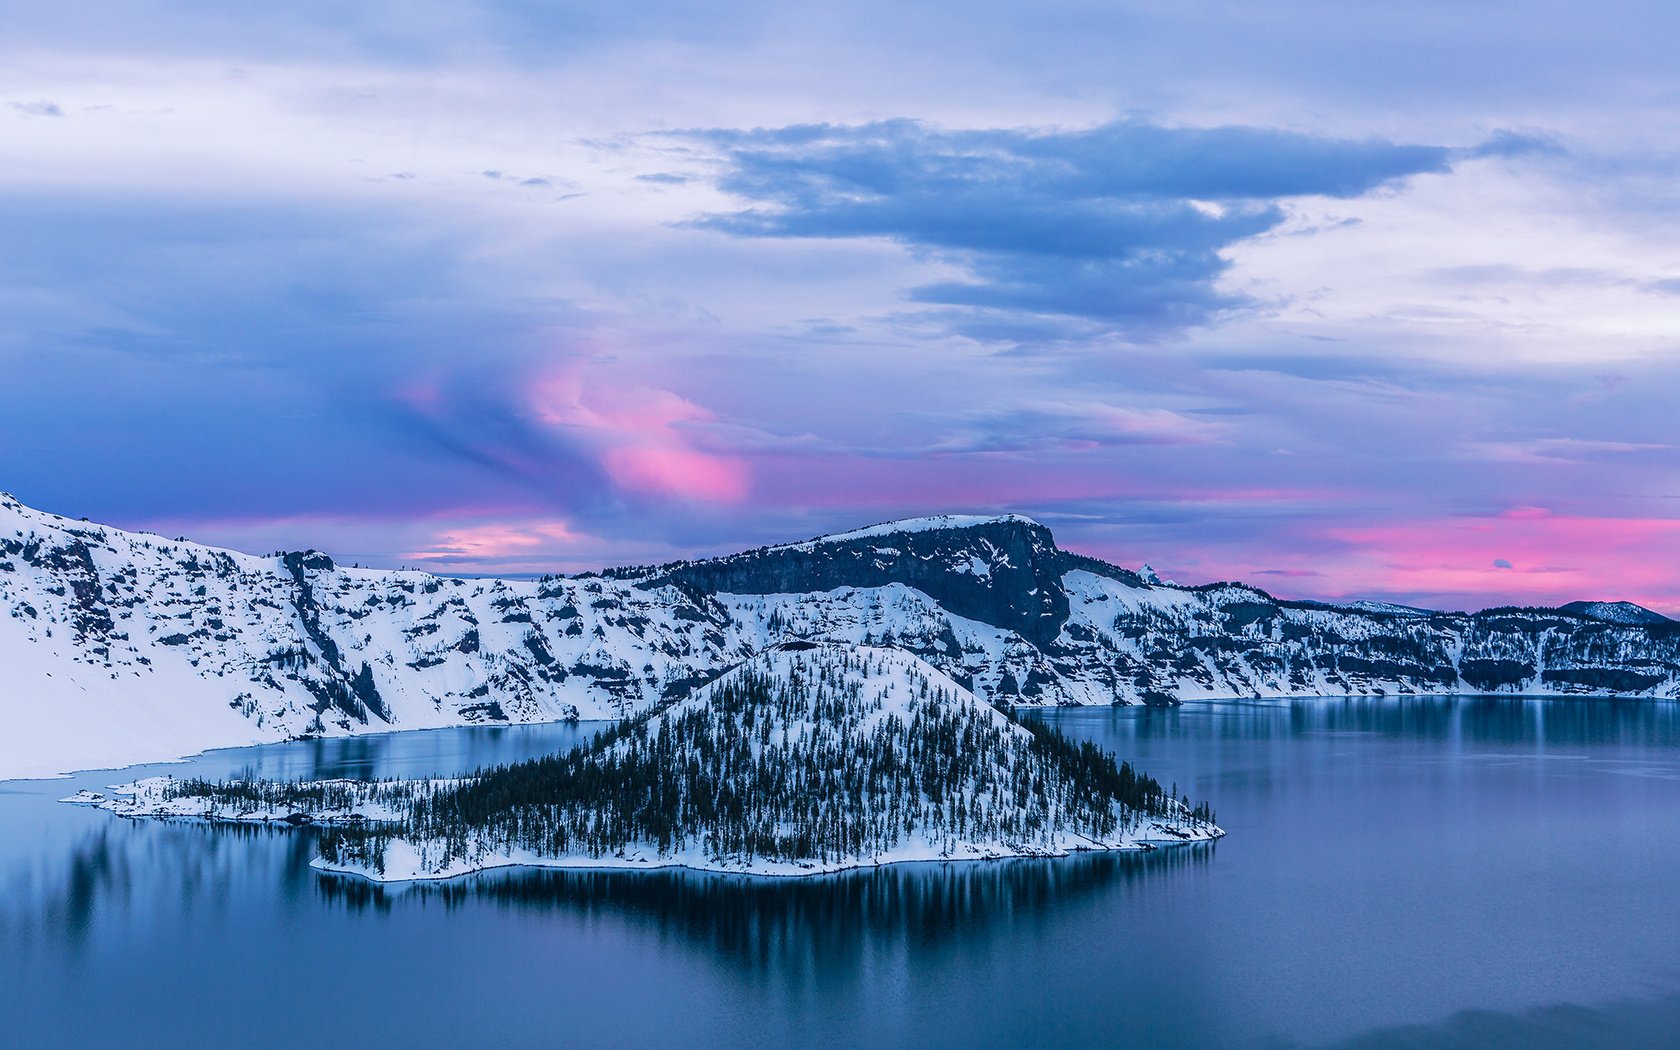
pixel 1616 612
pixel 1387 608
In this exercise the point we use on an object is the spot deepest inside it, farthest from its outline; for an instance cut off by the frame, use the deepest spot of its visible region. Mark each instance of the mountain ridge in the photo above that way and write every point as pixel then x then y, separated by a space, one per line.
pixel 121 647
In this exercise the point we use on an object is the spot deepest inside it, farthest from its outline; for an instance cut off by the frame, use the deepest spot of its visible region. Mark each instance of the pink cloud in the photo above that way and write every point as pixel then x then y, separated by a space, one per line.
pixel 493 541
pixel 678 471
pixel 642 436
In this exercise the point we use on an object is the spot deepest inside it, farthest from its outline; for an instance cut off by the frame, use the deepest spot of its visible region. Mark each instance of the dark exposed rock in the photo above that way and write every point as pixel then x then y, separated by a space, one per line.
pixel 1006 572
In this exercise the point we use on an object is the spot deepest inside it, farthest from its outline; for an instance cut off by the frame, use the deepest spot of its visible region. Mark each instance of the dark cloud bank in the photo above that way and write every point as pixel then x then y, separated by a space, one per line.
pixel 1121 225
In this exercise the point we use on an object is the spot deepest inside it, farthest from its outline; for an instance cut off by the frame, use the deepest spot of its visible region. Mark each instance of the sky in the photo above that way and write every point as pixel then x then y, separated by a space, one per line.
pixel 1343 300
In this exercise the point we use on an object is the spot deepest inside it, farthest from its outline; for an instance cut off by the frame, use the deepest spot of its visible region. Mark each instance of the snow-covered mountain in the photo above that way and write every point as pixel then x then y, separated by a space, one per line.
pixel 1616 612
pixel 118 647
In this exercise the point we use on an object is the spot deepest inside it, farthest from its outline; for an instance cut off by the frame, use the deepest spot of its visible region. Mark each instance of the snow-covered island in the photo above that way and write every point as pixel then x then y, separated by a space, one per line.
pixel 803 760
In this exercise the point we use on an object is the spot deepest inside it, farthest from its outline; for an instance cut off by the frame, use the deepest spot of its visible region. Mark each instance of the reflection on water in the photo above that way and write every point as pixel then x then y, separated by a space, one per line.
pixel 1616 1026
pixel 1400 871
pixel 1508 722
pixel 126 871
pixel 766 923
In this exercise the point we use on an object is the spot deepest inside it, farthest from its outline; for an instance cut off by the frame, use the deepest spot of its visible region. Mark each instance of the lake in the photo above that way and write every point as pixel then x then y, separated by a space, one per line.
pixel 1398 872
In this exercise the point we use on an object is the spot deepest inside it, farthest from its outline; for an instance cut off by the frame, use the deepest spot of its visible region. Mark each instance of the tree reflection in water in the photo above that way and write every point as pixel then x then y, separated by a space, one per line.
pixel 769 923
pixel 135 873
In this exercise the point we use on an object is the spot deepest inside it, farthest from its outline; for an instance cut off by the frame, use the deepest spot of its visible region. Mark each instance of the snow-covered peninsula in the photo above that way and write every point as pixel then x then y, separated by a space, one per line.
pixel 804 760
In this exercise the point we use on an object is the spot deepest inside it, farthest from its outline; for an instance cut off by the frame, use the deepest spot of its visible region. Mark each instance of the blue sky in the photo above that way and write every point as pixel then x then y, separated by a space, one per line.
pixel 1341 299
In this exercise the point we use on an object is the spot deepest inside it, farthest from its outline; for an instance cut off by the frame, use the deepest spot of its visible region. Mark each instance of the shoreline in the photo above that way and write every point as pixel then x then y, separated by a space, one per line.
pixel 140 800
pixel 630 865
pixel 180 759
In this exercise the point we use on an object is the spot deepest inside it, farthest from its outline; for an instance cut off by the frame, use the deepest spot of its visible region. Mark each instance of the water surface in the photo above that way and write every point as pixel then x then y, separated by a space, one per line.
pixel 1399 872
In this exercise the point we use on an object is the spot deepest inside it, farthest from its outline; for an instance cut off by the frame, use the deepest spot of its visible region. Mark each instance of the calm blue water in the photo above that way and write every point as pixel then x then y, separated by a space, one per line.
pixel 1422 872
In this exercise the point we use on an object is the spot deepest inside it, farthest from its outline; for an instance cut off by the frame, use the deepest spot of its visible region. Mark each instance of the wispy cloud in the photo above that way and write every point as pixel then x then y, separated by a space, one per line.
pixel 1559 450
pixel 38 108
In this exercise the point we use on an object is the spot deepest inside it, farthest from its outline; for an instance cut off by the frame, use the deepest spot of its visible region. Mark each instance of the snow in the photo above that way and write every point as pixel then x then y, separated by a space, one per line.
pixel 1616 612
pixel 1386 608
pixel 935 523
pixel 891 678
pixel 404 862
pixel 202 647
pixel 148 798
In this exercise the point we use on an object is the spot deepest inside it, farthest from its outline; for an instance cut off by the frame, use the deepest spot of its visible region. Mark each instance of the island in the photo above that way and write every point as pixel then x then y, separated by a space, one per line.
pixel 805 759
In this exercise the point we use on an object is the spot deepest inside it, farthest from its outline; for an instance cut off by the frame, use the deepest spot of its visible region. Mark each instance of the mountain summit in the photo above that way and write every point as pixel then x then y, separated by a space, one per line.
pixel 1616 612
pixel 1003 571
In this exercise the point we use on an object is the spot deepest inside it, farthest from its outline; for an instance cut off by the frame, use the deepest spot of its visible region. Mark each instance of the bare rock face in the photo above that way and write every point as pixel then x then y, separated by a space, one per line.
pixel 1002 571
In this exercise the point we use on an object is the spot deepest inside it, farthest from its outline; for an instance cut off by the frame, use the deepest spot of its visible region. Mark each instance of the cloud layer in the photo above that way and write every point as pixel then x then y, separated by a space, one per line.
pixel 1242 292
pixel 1123 224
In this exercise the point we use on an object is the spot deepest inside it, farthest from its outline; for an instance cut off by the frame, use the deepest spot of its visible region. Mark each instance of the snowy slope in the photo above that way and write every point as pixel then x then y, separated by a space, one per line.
pixel 118 647
pixel 907 526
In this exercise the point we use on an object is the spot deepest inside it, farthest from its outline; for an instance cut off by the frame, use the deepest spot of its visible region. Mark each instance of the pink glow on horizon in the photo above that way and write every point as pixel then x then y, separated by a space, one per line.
pixel 494 541
pixel 1526 556
pixel 642 440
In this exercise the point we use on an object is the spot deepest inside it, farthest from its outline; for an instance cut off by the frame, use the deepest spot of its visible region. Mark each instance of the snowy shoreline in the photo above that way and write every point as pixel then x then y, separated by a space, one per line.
pixel 143 799
pixel 772 872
